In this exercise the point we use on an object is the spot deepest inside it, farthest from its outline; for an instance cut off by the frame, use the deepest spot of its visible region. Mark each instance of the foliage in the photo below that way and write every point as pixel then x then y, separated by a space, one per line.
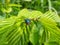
pixel 11 7
pixel 42 29
pixel 29 22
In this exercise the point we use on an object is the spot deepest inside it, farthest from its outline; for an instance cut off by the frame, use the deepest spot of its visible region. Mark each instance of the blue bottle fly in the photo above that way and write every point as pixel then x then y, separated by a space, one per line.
pixel 27 21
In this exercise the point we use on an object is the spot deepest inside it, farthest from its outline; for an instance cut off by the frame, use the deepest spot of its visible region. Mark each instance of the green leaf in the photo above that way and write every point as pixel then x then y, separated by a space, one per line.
pixel 52 15
pixel 50 26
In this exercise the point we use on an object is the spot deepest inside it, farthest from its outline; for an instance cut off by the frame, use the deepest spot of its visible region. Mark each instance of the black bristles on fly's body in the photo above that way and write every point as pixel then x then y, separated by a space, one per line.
pixel 27 21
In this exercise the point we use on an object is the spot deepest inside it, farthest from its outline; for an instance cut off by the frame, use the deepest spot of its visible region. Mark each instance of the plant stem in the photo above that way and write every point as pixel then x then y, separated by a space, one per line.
pixel 49 2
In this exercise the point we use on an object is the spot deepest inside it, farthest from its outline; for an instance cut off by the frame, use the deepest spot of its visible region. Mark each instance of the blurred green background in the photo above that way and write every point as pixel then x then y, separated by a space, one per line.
pixel 12 7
